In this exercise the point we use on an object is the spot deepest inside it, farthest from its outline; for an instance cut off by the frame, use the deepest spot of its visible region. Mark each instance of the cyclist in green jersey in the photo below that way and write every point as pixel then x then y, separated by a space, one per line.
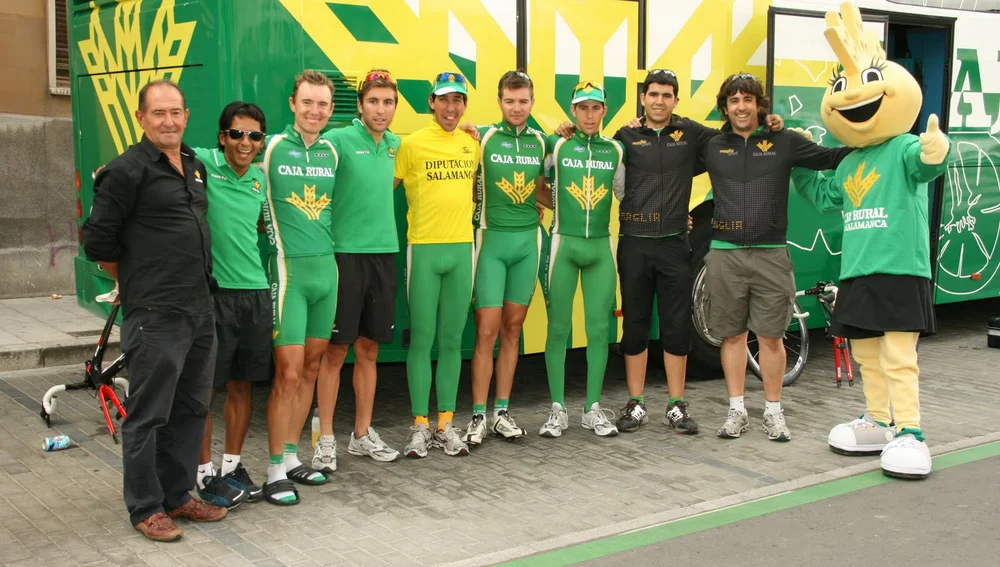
pixel 364 222
pixel 508 249
pixel 243 318
pixel 583 170
pixel 300 168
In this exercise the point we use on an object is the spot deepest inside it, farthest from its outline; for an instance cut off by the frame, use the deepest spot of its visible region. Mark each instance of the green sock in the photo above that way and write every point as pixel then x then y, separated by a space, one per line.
pixel 675 400
pixel 479 409
pixel 277 459
pixel 500 405
pixel 640 399
pixel 916 432
pixel 291 448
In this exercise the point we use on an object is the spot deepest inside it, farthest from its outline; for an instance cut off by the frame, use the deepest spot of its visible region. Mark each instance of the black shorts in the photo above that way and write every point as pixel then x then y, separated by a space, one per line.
pixel 869 306
pixel 243 323
pixel 660 267
pixel 366 298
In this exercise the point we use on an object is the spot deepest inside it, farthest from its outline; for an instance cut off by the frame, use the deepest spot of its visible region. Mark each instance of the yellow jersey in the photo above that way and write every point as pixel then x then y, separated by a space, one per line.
pixel 438 170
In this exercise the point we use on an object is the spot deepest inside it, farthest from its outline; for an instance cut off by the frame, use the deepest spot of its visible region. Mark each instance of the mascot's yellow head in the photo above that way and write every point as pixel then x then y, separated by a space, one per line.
pixel 870 100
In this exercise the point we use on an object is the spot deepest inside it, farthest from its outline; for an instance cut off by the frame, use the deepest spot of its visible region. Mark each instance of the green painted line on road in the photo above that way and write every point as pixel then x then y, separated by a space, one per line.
pixel 655 534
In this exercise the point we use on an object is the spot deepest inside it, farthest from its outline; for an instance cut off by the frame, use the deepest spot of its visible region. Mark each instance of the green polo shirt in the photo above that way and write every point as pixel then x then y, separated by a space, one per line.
pixel 364 217
pixel 234 207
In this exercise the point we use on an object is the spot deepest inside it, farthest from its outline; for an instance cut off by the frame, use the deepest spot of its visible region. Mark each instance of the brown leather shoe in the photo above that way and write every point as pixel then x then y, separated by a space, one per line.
pixel 199 511
pixel 159 527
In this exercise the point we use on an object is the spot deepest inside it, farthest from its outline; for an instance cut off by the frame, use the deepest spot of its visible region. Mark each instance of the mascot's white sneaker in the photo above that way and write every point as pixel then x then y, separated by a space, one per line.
pixel 860 437
pixel 905 457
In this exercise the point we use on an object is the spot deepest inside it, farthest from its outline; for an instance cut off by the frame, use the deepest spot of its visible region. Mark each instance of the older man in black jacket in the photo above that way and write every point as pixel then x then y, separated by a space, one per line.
pixel 148 230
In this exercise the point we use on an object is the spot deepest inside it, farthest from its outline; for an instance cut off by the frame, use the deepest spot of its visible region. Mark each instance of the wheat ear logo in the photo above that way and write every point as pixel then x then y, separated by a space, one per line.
pixel 677 135
pixel 311 206
pixel 764 145
pixel 858 185
pixel 587 196
pixel 518 192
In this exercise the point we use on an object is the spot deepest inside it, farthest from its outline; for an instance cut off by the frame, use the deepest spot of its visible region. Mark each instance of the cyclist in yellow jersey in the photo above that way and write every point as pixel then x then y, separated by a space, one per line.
pixel 437 167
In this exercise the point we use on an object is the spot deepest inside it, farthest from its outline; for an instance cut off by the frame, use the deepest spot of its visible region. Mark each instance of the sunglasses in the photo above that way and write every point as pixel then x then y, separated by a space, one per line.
pixel 237 134
pixel 666 72
pixel 451 78
pixel 591 84
pixel 742 76
pixel 375 76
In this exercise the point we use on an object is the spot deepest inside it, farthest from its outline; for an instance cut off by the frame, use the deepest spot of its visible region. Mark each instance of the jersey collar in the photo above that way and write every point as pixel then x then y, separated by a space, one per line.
pixel 507 129
pixel 579 135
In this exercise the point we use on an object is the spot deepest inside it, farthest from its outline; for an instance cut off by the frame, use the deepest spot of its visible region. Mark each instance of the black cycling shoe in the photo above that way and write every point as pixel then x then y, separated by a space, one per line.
pixel 632 416
pixel 677 418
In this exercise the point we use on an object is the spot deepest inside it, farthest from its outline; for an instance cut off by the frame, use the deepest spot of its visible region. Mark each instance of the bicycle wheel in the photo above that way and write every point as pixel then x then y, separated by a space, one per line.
pixel 796 341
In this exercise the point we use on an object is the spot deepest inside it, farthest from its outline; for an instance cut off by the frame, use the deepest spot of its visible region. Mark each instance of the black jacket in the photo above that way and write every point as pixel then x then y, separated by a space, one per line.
pixel 750 181
pixel 659 169
pixel 152 221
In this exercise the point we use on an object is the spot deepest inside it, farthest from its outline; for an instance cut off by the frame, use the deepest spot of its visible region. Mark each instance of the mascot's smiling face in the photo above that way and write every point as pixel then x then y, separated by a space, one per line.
pixel 869 100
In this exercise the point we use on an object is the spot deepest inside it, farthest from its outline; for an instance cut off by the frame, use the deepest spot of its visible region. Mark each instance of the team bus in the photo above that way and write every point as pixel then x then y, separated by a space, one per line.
pixel 222 50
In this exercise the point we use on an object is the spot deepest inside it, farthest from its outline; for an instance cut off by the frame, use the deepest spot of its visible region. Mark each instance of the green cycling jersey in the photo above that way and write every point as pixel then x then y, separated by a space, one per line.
pixel 510 163
pixel 584 171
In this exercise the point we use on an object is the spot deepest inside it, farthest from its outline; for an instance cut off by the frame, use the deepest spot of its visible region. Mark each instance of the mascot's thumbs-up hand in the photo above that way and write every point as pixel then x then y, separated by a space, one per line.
pixel 805 133
pixel 933 143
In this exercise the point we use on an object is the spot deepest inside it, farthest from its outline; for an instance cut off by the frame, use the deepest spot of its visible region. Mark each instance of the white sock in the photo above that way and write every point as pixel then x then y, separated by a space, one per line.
pixel 275 472
pixel 772 407
pixel 205 471
pixel 736 403
pixel 229 463
pixel 291 461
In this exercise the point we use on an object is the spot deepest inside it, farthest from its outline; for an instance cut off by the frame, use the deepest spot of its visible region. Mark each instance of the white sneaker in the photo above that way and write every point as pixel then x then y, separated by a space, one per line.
pixel 774 425
pixel 557 422
pixel 371 445
pixel 596 420
pixel 736 423
pixel 450 439
pixel 476 430
pixel 419 440
pixel 325 457
pixel 505 426
pixel 860 437
pixel 905 457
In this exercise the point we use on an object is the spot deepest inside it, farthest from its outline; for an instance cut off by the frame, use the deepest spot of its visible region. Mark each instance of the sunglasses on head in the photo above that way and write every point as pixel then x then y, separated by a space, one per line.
pixel 742 76
pixel 374 76
pixel 666 72
pixel 451 78
pixel 237 134
pixel 591 84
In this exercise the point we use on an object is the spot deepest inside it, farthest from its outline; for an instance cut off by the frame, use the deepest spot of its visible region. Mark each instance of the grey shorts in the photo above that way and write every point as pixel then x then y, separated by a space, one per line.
pixel 749 288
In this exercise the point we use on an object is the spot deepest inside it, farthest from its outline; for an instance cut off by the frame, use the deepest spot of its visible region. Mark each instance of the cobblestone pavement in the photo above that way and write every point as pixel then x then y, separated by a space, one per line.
pixel 65 507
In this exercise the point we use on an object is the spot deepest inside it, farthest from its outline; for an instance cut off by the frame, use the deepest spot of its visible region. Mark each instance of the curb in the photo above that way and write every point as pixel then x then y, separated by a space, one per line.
pixel 43 355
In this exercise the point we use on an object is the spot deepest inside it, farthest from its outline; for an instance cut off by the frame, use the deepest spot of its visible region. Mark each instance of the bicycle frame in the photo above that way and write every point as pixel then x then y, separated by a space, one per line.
pixel 826 295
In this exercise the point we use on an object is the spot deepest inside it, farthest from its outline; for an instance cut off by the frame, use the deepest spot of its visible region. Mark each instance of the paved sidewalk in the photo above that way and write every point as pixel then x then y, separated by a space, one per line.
pixel 505 500
pixel 48 331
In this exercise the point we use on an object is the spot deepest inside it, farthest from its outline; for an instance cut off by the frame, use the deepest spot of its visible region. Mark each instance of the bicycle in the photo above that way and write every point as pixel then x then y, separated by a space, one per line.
pixel 102 380
pixel 826 296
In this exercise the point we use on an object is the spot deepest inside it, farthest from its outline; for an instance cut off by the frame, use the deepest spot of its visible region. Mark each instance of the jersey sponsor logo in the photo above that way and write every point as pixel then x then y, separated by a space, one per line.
pixel 859 184
pixel 515 160
pixel 603 151
pixel 307 171
pixel 764 146
pixel 392 153
pixel 587 196
pixel 217 176
pixel 361 152
pixel 507 145
pixel 677 135
pixel 269 226
pixel 865 218
pixel 446 169
pixel 466 150
pixel 518 191
pixel 255 187
pixel 641 143
pixel 197 177
pixel 580 149
pixel 310 205
pixel 729 152
pixel 295 153
pixel 320 155
pixel 588 164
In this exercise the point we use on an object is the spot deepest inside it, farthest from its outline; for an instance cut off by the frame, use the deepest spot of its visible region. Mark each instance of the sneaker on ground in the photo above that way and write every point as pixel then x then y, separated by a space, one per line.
pixel 505 426
pixel 596 420
pixel 240 478
pixel 450 439
pixel 632 416
pixel 419 440
pixel 557 422
pixel 774 426
pixel 218 492
pixel 476 430
pixel 677 418
pixel 372 445
pixel 736 423
pixel 325 457
pixel 906 457
pixel 863 436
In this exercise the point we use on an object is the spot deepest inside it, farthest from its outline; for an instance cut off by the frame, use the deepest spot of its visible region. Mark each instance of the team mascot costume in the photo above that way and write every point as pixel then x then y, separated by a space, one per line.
pixel 884 303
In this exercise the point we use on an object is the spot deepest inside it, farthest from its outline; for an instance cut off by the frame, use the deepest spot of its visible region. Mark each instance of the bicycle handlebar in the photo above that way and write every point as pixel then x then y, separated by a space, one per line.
pixel 826 292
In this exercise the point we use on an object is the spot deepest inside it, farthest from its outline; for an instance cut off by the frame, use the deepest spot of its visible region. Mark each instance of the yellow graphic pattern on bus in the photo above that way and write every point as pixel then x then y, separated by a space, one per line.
pixel 106 55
